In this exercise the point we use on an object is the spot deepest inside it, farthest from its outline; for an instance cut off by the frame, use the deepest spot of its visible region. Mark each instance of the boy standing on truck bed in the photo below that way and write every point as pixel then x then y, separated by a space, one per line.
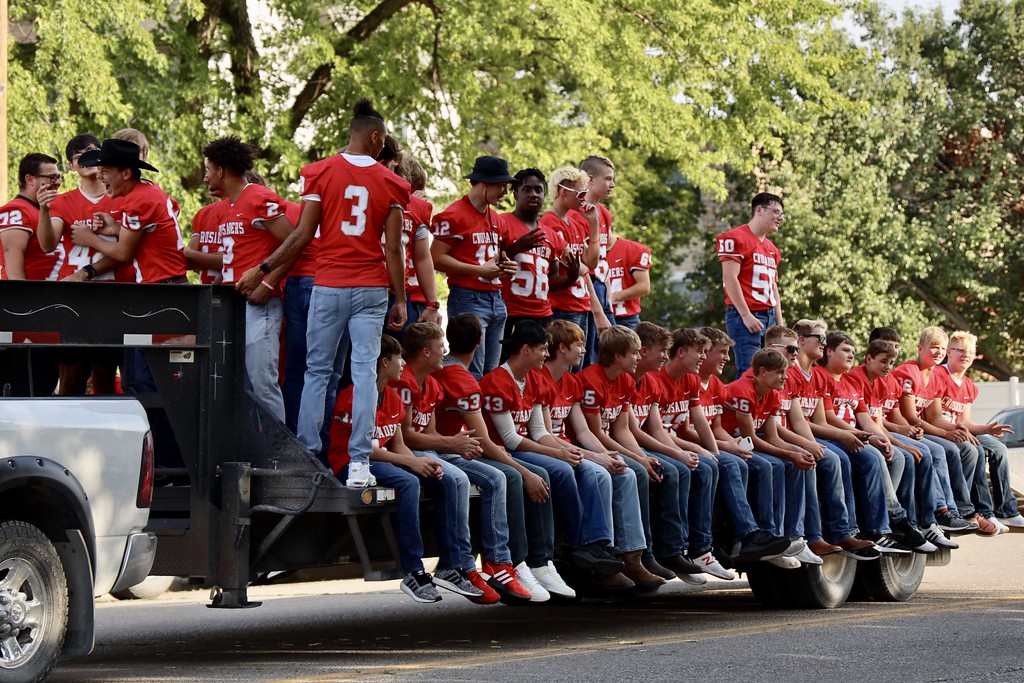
pixel 394 465
pixel 21 257
pixel 357 201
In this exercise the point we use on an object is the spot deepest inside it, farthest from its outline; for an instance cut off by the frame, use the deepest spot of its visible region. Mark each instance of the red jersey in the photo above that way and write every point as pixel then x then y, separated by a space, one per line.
pixel 806 390
pixel 355 194
pixel 873 391
pixel 246 242
pixel 759 266
pixel 559 396
pixel 678 398
pixel 911 382
pixel 843 396
pixel 625 258
pixel 604 225
pixel 147 209
pixel 460 395
pixel 76 206
pixel 711 397
pixel 415 227
pixel 526 293
pixel 22 214
pixel 955 394
pixel 501 394
pixel 474 237
pixel 206 224
pixel 422 401
pixel 741 397
pixel 389 418
pixel 305 265
pixel 603 397
pixel 646 393
pixel 575 233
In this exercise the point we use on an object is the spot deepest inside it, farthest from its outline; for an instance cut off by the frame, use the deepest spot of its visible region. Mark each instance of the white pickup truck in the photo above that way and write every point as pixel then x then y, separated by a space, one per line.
pixel 76 482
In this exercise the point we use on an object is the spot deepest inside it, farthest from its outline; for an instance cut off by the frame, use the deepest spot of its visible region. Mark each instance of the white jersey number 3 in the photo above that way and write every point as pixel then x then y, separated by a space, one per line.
pixel 361 198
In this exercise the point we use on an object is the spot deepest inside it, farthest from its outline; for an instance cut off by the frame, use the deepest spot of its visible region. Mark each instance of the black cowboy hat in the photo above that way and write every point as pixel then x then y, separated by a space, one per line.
pixel 116 153
pixel 490 170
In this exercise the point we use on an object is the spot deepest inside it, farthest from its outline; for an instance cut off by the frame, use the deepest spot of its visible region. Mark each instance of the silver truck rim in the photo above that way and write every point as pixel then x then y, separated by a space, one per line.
pixel 22 611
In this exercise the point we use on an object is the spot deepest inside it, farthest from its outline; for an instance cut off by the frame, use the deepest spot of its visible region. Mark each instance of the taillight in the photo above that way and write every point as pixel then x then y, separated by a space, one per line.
pixel 144 497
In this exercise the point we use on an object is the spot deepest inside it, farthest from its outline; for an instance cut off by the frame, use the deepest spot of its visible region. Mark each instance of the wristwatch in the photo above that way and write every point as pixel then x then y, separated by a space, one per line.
pixel 265 268
pixel 90 271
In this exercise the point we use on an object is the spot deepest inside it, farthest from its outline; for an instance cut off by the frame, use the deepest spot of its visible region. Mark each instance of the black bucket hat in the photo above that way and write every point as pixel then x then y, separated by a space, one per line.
pixel 490 170
pixel 117 153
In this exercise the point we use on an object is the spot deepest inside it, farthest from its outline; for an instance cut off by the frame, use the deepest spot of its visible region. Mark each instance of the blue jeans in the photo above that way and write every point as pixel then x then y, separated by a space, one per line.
pixel 577 498
pixel 1004 504
pixel 630 321
pixel 747 343
pixel 531 525
pixel 767 491
pixel 792 499
pixel 339 315
pixel 926 492
pixel 297 292
pixel 601 290
pixel 703 484
pixel 829 506
pixel 490 309
pixel 733 480
pixel 869 472
pixel 959 471
pixel 976 477
pixel 625 508
pixel 663 533
pixel 583 319
pixel 493 513
pixel 263 353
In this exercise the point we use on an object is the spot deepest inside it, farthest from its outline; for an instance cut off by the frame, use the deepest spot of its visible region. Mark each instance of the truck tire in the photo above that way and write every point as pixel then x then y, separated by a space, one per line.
pixel 33 603
pixel 768 584
pixel 151 587
pixel 892 579
pixel 824 586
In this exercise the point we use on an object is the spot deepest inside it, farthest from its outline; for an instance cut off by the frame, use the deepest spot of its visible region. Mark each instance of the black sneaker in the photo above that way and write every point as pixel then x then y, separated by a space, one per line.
pixel 954 524
pixel 419 587
pixel 905 534
pixel 456 581
pixel 686 570
pixel 654 567
pixel 594 557
pixel 761 545
pixel 884 543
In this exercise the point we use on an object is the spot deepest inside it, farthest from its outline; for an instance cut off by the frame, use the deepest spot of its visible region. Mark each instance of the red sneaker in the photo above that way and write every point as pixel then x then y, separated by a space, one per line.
pixel 490 596
pixel 503 580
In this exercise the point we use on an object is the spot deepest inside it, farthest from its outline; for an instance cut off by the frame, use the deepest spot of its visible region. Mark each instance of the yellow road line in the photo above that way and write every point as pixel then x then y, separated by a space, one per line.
pixel 832 618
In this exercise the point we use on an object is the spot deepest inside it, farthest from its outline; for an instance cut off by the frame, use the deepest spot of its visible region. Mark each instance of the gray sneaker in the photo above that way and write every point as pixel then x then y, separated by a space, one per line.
pixel 456 581
pixel 419 587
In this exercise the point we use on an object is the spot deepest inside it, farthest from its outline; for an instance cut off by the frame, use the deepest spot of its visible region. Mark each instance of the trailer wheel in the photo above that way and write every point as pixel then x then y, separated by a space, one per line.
pixel 893 579
pixel 824 586
pixel 149 588
pixel 33 603
pixel 768 584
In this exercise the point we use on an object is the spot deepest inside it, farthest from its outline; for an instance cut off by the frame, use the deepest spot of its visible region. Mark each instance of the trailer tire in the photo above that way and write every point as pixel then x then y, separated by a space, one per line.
pixel 824 586
pixel 33 603
pixel 893 579
pixel 769 585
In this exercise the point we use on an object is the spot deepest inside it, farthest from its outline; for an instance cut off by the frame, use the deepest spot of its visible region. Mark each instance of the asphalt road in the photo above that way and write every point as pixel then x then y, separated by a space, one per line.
pixel 965 624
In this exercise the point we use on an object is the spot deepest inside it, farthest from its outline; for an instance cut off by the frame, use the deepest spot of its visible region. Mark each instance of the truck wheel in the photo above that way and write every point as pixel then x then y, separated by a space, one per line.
pixel 150 587
pixel 768 584
pixel 33 603
pixel 824 586
pixel 892 579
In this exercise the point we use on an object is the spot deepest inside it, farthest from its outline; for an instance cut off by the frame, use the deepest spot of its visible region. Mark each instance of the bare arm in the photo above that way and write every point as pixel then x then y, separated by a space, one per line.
pixel 642 287
pixel 15 242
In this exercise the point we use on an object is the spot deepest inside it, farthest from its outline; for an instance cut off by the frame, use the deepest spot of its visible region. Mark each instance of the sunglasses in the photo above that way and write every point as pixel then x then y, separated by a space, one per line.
pixel 790 348
pixel 819 337
pixel 580 194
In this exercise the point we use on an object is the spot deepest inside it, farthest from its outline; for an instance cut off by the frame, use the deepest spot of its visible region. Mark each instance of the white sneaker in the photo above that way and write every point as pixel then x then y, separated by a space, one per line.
pixel 548 577
pixel 785 562
pixel 528 581
pixel 1015 522
pixel 795 548
pixel 807 556
pixel 1000 527
pixel 712 566
pixel 359 476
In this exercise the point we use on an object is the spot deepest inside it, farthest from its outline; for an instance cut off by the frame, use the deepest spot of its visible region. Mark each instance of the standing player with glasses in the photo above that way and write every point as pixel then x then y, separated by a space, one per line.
pixel 354 201
pixel 467 246
pixel 750 273
pixel 23 259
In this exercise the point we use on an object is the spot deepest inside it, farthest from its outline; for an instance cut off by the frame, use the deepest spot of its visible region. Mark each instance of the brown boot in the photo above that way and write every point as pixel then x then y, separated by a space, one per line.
pixel 615 582
pixel 636 571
